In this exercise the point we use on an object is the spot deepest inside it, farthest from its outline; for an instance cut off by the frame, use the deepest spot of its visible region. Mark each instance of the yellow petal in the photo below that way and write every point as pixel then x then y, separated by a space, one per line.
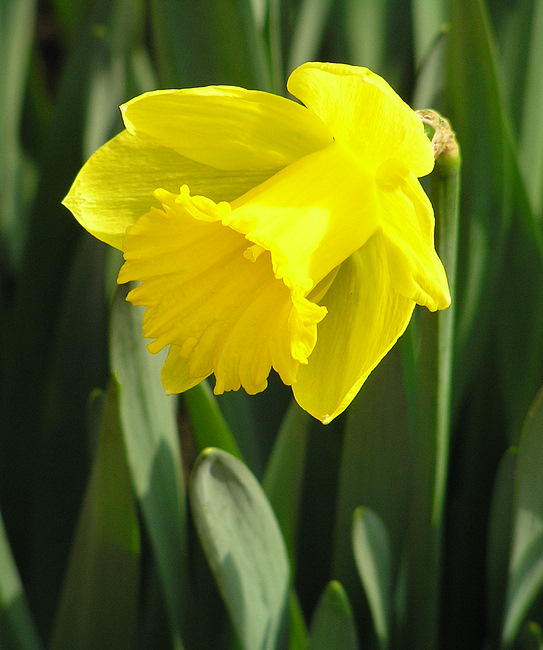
pixel 365 318
pixel 407 221
pixel 227 127
pixel 224 312
pixel 115 186
pixel 363 112
pixel 311 215
pixel 175 374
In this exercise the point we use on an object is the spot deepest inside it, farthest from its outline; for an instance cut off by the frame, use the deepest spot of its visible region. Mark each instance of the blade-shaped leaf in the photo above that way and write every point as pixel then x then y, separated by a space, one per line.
pixel 148 420
pixel 16 30
pixel 286 467
pixel 372 552
pixel 244 547
pixel 17 629
pixel 298 638
pixel 99 601
pixel 333 626
pixel 375 469
pixel 499 538
pixel 208 42
pixel 531 136
pixel 209 427
pixel 526 561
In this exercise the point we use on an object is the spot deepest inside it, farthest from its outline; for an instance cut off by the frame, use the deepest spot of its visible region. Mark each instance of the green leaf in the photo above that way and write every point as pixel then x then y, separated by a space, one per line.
pixel 16 31
pixel 255 419
pixel 35 317
pixel 286 467
pixel 430 399
pixel 17 631
pixel 526 560
pixel 99 602
pixel 148 420
pixel 499 539
pixel 531 132
pixel 333 626
pixel 311 22
pixel 209 42
pixel 490 162
pixel 298 638
pixel 243 545
pixel 372 552
pixel 375 469
pixel 209 427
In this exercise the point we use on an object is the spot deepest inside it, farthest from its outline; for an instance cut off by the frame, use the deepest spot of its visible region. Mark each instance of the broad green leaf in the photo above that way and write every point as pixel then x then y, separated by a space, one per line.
pixel 531 130
pixel 243 545
pixel 209 42
pixel 375 469
pixel 526 560
pixel 298 638
pixel 309 28
pixel 109 82
pixel 499 539
pixel 16 30
pixel 209 427
pixel 255 419
pixel 17 629
pixel 490 162
pixel 428 20
pixel 378 35
pixel 148 422
pixel 33 319
pixel 429 33
pixel 520 335
pixel 99 603
pixel 372 552
pixel 333 626
pixel 286 468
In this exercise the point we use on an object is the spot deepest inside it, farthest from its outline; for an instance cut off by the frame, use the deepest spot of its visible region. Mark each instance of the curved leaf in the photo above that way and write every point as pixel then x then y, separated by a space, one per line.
pixel 333 626
pixel 243 545
pixel 148 421
pixel 372 552
pixel 526 561
pixel 99 602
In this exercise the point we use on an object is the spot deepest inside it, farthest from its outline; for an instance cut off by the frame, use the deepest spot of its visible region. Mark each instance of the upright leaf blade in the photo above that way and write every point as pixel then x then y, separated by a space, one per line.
pixel 208 42
pixel 148 420
pixel 526 561
pixel 100 597
pixel 244 547
pixel 333 626
pixel 376 468
pixel 17 629
pixel 373 555
pixel 208 424
pixel 499 540
pixel 286 467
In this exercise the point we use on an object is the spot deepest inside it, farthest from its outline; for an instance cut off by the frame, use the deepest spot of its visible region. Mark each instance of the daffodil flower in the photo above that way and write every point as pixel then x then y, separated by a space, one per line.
pixel 265 233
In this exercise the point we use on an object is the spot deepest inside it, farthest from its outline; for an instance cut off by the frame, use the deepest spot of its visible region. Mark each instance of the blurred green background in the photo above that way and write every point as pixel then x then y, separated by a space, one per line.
pixel 414 520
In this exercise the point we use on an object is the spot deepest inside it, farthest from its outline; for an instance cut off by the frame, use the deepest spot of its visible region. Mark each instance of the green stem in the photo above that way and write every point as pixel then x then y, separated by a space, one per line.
pixel 433 420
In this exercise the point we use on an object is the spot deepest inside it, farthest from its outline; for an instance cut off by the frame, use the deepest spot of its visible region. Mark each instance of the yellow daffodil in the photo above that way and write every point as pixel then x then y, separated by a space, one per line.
pixel 266 233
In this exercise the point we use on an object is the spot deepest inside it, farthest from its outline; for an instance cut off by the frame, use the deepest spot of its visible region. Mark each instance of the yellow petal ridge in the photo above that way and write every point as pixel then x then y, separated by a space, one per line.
pixel 408 222
pixel 366 316
pixel 311 215
pixel 219 311
pixel 115 186
pixel 364 113
pixel 227 127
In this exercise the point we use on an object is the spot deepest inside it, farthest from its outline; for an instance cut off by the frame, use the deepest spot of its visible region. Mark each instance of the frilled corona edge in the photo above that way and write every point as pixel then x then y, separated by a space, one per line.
pixel 269 234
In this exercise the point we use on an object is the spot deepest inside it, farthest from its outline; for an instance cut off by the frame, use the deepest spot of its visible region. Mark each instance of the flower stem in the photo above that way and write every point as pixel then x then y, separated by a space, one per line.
pixel 434 392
